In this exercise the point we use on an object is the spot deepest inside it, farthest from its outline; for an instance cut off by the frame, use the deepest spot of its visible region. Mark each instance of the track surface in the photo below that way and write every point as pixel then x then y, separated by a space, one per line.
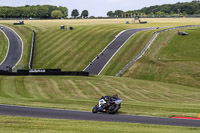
pixel 15 49
pixel 78 115
pixel 97 65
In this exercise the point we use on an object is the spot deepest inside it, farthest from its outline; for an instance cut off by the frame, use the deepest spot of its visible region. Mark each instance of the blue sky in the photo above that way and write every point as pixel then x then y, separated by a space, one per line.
pixel 95 7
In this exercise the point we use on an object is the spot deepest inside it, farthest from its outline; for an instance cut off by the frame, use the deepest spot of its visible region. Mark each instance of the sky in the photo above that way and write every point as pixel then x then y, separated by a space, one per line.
pixel 95 7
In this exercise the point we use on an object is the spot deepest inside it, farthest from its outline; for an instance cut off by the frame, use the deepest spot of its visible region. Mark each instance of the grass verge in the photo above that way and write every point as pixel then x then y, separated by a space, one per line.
pixel 10 124
pixel 3 46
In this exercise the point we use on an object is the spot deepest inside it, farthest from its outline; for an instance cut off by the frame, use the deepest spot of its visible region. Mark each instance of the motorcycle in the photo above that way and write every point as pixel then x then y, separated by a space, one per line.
pixel 108 104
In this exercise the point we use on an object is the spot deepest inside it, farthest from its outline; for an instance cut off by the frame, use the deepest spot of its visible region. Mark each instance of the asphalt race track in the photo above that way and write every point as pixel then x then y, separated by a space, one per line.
pixel 78 115
pixel 15 48
pixel 97 65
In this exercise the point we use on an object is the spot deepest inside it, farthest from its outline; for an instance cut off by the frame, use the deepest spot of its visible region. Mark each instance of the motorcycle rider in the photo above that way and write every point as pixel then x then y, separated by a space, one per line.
pixel 109 100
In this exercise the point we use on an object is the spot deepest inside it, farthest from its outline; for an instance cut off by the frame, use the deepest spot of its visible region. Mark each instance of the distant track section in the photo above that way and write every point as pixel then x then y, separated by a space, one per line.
pixel 99 63
pixel 15 48
pixel 78 115
pixel 148 45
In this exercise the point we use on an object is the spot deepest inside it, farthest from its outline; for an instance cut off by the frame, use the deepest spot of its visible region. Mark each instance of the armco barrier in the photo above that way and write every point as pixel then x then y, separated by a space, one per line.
pixel 178 27
pixel 32 51
pixel 148 45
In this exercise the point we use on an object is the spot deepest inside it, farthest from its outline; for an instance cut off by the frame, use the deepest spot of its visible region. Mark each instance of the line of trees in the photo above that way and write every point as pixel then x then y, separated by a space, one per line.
pixel 38 11
pixel 84 14
pixel 178 9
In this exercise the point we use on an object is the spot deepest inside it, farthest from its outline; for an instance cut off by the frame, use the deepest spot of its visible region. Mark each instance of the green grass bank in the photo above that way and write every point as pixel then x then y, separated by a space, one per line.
pixel 3 46
pixel 10 124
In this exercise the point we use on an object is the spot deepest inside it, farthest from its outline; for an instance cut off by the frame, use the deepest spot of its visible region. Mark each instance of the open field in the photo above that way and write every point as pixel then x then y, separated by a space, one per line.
pixel 68 50
pixel 82 93
pixel 3 46
pixel 176 62
pixel 37 125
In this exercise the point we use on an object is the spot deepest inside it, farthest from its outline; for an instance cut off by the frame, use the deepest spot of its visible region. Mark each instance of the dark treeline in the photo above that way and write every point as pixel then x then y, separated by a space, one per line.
pixel 178 9
pixel 38 11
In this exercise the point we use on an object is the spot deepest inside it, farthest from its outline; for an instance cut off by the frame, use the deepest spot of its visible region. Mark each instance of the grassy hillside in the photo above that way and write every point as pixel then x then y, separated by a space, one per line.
pixel 68 50
pixel 3 46
pixel 176 62
pixel 72 50
pixel 36 125
pixel 82 93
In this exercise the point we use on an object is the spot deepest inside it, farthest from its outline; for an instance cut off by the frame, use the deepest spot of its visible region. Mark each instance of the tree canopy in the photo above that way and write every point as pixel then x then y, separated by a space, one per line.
pixel 75 13
pixel 85 14
pixel 178 9
pixel 110 14
pixel 56 14
pixel 38 11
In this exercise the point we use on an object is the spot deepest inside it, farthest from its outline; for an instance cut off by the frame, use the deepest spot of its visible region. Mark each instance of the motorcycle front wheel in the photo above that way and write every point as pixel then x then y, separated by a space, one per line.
pixel 95 109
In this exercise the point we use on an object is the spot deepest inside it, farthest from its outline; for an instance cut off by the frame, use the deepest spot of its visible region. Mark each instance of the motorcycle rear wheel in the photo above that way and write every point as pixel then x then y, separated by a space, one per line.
pixel 115 109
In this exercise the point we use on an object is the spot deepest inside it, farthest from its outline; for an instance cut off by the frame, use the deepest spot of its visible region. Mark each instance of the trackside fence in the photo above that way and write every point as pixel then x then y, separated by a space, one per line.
pixel 148 45
pixel 32 50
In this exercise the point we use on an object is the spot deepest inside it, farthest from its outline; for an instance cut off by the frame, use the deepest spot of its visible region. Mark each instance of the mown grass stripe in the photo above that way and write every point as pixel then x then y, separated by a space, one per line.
pixel 70 90
pixel 42 48
pixel 50 55
pixel 56 88
pixel 2 91
pixel 54 36
pixel 78 90
pixel 97 89
pixel 82 51
pixel 79 48
pixel 60 50
pixel 41 88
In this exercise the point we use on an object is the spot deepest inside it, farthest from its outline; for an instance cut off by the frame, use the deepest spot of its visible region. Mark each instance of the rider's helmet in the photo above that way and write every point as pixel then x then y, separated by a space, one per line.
pixel 106 98
pixel 115 95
